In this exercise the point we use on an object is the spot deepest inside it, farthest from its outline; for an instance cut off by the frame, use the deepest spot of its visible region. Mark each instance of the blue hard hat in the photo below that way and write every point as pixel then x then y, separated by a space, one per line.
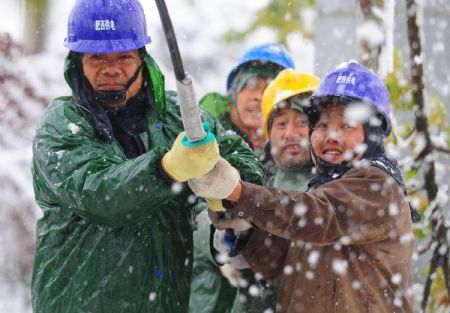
pixel 355 81
pixel 100 26
pixel 268 53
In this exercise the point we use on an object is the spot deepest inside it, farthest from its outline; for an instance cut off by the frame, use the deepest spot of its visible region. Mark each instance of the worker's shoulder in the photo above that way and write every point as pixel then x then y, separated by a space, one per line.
pixel 216 103
pixel 63 106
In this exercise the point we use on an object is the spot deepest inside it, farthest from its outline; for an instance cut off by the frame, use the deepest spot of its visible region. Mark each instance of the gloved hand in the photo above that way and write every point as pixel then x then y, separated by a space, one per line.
pixel 230 273
pixel 187 160
pixel 225 220
pixel 218 183
pixel 225 245
pixel 215 205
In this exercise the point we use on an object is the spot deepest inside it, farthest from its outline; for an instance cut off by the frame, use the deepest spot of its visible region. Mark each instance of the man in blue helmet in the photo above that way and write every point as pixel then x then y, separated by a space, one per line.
pixel 239 111
pixel 351 238
pixel 109 168
pixel 286 128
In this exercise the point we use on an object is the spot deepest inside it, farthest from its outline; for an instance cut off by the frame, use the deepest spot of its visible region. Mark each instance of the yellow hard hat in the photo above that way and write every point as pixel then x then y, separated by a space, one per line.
pixel 287 84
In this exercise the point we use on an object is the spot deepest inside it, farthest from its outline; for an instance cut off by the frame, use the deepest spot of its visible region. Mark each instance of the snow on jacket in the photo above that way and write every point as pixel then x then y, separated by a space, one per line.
pixel 114 237
pixel 351 243
pixel 211 292
pixel 264 293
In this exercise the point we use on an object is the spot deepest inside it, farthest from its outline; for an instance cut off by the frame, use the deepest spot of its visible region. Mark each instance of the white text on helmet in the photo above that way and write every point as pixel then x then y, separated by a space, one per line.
pixel 350 79
pixel 105 25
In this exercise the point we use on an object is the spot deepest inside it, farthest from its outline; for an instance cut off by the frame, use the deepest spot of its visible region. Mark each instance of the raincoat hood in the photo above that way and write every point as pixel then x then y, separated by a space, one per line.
pixel 151 66
pixel 114 236
pixel 153 89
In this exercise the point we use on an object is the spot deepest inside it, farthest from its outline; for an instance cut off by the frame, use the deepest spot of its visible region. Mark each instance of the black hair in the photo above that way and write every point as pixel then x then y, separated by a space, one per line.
pixel 289 103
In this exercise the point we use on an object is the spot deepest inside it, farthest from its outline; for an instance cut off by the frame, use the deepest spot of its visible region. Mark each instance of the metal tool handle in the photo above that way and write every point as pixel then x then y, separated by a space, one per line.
pixel 190 114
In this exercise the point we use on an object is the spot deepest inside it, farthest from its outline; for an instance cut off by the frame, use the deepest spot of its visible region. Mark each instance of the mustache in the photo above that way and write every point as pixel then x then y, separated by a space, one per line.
pixel 296 140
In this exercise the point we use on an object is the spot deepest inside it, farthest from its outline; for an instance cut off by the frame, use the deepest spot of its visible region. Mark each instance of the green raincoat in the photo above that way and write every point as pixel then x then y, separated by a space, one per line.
pixel 219 106
pixel 114 237
pixel 208 283
pixel 210 291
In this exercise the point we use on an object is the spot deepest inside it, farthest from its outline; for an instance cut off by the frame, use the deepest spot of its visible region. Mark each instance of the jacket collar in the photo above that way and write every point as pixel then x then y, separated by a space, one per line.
pixel 327 172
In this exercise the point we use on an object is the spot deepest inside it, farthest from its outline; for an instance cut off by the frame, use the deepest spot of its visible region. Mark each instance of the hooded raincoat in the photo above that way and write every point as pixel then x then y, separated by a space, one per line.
pixel 114 237
pixel 211 292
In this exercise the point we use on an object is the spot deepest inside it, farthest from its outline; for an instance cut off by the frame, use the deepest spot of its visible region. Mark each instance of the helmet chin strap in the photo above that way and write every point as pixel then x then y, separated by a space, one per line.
pixel 111 98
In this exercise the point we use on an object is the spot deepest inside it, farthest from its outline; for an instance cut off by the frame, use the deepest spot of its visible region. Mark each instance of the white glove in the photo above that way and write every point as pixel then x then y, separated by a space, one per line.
pixel 224 248
pixel 238 262
pixel 218 183
pixel 230 273
pixel 221 245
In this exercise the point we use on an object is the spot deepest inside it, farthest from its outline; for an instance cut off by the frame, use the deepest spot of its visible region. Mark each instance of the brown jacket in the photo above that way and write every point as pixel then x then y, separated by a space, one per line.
pixel 350 243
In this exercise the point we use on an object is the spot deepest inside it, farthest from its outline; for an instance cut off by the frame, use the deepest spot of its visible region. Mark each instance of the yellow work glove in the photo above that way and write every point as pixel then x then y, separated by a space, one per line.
pixel 187 160
pixel 215 205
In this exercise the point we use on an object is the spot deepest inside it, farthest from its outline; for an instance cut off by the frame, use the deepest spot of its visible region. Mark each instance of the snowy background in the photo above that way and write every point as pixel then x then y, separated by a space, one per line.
pixel 28 82
pixel 199 26
pixel 39 78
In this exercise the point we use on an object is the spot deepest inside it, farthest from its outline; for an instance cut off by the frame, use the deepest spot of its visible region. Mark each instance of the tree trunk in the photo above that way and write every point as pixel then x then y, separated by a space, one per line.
pixel 35 25
pixel 369 50
pixel 375 19
pixel 424 159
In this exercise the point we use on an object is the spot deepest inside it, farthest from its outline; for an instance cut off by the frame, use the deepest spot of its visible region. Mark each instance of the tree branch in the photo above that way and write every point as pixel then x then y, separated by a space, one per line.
pixel 437 219
pixel 416 190
pixel 426 248
pixel 446 269
pixel 442 149
pixel 429 281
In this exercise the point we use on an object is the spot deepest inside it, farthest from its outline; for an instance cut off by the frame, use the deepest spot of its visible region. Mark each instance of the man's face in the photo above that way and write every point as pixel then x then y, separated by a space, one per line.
pixel 248 102
pixel 112 71
pixel 289 139
pixel 335 138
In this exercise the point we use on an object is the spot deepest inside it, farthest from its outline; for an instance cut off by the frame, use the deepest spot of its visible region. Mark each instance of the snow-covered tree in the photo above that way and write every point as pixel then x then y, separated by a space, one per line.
pixel 422 146
pixel 25 90
pixel 36 12
pixel 20 108
pixel 431 148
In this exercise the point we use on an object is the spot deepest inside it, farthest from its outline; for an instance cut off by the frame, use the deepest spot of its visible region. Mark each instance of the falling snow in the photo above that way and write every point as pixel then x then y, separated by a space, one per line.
pixel 340 267
pixel 18 123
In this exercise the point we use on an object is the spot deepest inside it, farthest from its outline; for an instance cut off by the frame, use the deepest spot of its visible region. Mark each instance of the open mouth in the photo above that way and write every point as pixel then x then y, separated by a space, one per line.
pixel 294 147
pixel 331 154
